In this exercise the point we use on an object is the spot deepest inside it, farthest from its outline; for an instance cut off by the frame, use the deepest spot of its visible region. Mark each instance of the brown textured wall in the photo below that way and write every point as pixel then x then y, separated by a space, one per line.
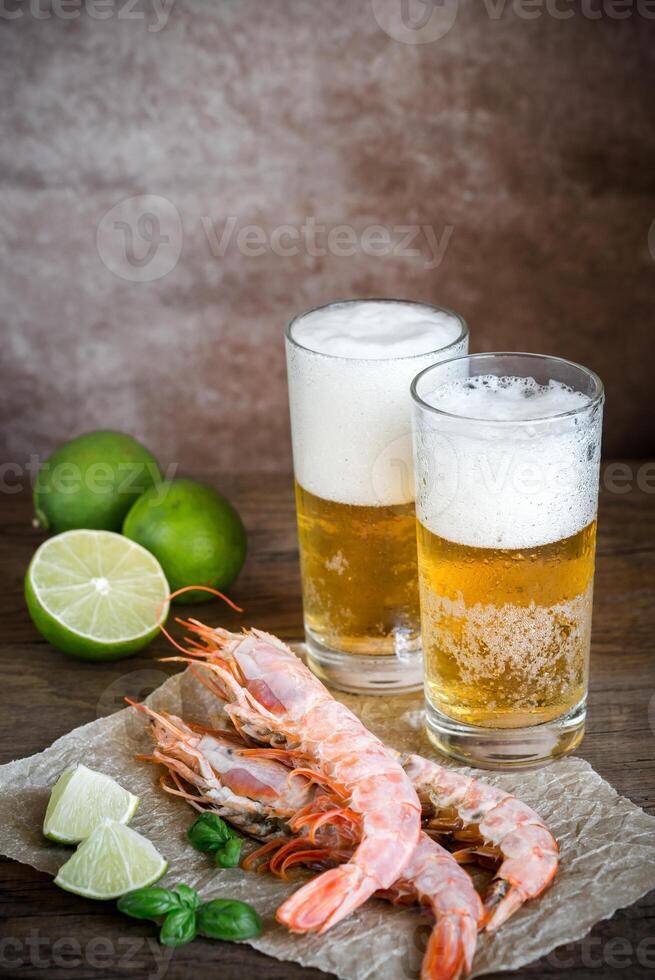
pixel 526 145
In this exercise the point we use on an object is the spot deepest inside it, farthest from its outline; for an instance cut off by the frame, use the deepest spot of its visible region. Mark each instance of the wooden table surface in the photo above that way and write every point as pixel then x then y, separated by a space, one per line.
pixel 46 932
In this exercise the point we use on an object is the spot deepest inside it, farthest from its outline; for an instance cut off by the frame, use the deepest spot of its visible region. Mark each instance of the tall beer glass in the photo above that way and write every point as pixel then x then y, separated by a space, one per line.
pixel 350 365
pixel 507 455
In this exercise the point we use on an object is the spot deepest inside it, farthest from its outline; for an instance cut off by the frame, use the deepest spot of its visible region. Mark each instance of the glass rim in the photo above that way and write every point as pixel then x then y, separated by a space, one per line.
pixel 594 399
pixel 463 333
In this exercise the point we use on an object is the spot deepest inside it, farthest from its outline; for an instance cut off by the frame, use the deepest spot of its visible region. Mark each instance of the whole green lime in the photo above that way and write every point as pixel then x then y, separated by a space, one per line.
pixel 92 481
pixel 194 532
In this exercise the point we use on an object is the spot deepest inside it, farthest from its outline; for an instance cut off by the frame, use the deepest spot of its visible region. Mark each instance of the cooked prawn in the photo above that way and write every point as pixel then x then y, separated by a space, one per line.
pixel 274 699
pixel 437 880
pixel 528 851
pixel 257 795
pixel 262 797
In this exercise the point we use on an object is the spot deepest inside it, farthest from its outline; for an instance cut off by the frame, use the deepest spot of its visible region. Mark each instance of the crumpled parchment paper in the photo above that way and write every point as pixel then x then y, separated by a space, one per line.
pixel 607 843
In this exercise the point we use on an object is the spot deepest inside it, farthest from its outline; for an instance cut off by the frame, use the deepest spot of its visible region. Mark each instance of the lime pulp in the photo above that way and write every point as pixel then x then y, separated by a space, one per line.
pixel 95 594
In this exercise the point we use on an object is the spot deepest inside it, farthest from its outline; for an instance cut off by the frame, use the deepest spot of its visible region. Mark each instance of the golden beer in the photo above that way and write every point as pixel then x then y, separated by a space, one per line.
pixel 359 577
pixel 350 365
pixel 507 631
pixel 507 456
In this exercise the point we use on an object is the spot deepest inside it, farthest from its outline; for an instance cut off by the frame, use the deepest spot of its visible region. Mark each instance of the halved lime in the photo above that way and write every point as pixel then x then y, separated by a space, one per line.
pixel 112 861
pixel 80 800
pixel 95 594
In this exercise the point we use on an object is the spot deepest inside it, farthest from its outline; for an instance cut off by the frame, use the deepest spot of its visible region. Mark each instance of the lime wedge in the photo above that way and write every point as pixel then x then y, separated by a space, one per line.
pixel 80 800
pixel 112 861
pixel 95 594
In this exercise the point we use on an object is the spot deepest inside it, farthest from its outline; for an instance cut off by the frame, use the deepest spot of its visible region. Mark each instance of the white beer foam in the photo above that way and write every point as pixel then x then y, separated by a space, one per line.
pixel 502 485
pixel 490 397
pixel 349 395
pixel 368 329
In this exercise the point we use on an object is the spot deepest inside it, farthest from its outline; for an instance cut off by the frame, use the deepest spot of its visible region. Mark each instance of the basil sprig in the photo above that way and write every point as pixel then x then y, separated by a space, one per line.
pixel 211 835
pixel 184 915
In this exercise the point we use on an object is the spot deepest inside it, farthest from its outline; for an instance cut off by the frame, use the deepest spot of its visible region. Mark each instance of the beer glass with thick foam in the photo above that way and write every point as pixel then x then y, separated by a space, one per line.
pixel 350 365
pixel 507 455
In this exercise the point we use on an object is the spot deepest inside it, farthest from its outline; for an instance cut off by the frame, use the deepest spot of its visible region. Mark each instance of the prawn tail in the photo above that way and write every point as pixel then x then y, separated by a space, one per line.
pixel 501 904
pixel 450 949
pixel 326 900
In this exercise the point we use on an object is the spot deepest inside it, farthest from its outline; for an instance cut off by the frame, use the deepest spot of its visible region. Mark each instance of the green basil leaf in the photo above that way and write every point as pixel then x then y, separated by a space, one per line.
pixel 188 896
pixel 179 928
pixel 208 832
pixel 228 855
pixel 228 919
pixel 149 903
